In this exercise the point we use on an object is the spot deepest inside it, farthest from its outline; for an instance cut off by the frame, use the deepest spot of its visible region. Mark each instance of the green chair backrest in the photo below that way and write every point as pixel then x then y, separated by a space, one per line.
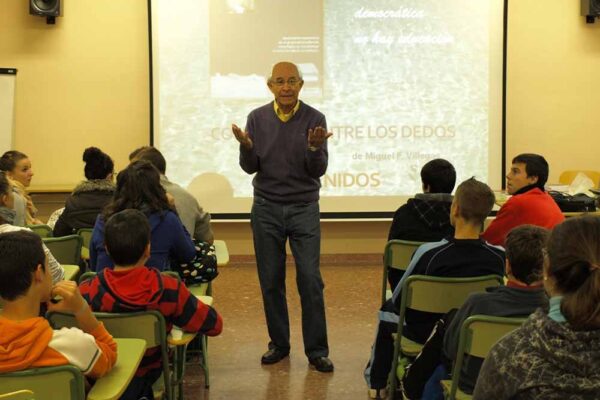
pixel 66 249
pixel 48 383
pixel 86 236
pixel 147 325
pixel 478 335
pixel 436 295
pixel 439 295
pixel 482 332
pixel 397 255
pixel 43 230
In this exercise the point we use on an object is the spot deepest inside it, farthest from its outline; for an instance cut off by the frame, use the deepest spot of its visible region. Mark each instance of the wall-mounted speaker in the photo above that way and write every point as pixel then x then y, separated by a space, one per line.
pixel 590 9
pixel 45 8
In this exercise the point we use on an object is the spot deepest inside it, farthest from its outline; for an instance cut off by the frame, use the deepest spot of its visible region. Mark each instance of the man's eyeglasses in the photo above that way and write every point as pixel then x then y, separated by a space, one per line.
pixel 291 82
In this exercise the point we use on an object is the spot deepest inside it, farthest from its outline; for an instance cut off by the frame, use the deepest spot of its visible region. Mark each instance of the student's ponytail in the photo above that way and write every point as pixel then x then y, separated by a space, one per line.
pixel 574 253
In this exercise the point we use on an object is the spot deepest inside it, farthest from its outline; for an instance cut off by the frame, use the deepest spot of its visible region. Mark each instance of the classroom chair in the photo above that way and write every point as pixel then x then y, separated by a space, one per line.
pixel 397 255
pixel 66 249
pixel 478 335
pixel 43 230
pixel 432 294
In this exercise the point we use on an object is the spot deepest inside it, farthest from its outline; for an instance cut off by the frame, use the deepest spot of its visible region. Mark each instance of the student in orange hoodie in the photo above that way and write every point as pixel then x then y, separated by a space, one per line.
pixel 26 339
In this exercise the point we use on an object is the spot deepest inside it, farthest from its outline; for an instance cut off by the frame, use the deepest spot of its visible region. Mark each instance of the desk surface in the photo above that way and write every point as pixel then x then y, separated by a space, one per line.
pixel 113 384
pixel 222 253
pixel 177 337
pixel 580 213
pixel 71 271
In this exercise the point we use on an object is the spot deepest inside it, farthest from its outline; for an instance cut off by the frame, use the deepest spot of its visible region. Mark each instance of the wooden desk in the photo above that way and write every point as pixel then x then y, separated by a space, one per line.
pixel 113 384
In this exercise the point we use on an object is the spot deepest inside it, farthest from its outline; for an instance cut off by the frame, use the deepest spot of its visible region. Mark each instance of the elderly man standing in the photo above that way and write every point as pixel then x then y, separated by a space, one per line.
pixel 285 144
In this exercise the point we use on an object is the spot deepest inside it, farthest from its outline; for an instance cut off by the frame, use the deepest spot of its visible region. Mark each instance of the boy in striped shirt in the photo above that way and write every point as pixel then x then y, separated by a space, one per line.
pixel 131 287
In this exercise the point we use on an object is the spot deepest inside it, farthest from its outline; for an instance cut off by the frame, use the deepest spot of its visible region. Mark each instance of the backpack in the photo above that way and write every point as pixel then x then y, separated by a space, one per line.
pixel 576 203
pixel 202 269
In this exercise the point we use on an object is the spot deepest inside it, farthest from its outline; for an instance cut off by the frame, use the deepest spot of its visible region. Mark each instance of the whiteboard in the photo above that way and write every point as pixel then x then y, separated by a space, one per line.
pixel 7 108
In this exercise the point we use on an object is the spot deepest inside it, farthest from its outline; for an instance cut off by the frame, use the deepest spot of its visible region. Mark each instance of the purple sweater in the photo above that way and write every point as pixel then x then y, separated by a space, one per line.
pixel 286 170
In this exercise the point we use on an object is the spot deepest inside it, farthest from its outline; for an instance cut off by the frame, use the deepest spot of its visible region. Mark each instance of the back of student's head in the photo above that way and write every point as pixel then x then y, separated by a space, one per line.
pixel 133 155
pixel 138 186
pixel 98 165
pixel 20 254
pixel 475 200
pixel 574 256
pixel 155 157
pixel 439 175
pixel 535 165
pixel 525 246
pixel 126 235
pixel 9 160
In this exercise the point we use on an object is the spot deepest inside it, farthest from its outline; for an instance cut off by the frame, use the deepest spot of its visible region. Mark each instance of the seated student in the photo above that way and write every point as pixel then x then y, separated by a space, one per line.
pixel 138 187
pixel 89 197
pixel 26 339
pixel 132 286
pixel 464 255
pixel 529 203
pixel 555 354
pixel 426 217
pixel 7 218
pixel 193 217
pixel 522 295
pixel 17 167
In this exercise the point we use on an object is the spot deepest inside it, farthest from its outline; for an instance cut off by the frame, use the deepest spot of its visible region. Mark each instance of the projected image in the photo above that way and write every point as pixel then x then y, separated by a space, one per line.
pixel 400 83
pixel 267 38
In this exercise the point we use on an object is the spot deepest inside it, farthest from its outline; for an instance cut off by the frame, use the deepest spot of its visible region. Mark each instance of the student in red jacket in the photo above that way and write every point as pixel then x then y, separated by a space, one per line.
pixel 529 203
pixel 131 286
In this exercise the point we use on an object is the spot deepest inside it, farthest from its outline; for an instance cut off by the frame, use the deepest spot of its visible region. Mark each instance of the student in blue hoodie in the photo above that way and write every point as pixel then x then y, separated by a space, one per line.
pixel 138 187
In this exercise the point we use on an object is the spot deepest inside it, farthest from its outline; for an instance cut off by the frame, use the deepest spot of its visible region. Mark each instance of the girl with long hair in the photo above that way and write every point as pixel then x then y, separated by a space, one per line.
pixel 138 187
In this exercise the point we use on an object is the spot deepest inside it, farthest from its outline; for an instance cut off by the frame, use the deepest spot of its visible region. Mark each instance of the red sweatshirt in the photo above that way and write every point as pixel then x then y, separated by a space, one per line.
pixel 533 207
pixel 143 288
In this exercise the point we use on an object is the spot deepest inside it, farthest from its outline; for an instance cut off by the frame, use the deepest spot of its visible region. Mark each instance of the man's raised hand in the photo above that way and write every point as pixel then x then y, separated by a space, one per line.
pixel 242 136
pixel 318 136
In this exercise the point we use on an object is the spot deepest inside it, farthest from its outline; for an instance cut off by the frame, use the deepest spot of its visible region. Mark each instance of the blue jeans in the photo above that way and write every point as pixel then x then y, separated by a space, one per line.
pixel 433 388
pixel 272 225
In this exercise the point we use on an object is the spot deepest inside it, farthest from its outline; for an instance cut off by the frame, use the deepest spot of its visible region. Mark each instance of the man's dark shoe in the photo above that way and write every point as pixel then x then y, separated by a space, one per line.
pixel 321 364
pixel 273 356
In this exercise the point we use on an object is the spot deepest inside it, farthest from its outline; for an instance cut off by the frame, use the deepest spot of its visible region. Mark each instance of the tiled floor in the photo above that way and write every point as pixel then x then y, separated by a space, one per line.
pixel 351 296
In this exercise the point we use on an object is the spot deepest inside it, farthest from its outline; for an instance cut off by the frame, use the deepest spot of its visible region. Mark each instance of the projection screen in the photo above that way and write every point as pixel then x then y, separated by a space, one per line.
pixel 400 82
